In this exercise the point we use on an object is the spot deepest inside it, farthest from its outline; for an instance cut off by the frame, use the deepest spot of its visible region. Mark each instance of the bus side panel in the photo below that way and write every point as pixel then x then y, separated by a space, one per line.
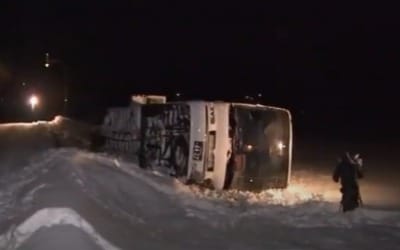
pixel 165 137
pixel 223 147
pixel 198 137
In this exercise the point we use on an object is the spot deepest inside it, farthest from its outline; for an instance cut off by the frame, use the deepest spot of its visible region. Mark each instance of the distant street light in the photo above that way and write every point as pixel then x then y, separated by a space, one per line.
pixel 47 60
pixel 33 101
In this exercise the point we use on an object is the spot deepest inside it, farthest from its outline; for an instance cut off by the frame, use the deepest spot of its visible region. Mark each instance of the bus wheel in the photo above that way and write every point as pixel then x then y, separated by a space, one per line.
pixel 180 157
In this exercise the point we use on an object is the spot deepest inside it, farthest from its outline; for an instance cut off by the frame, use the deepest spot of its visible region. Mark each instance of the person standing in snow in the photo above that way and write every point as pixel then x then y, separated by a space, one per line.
pixel 348 171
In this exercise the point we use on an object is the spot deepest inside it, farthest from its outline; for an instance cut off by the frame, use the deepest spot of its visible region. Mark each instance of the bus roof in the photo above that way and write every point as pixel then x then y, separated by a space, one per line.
pixel 259 106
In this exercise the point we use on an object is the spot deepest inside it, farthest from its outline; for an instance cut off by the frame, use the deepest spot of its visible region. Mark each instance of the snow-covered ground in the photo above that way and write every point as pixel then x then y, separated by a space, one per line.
pixel 67 198
pixel 315 160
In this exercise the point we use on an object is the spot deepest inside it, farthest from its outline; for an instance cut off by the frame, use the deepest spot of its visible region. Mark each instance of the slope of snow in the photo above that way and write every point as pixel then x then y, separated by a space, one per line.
pixel 299 200
pixel 100 201
pixel 315 160
pixel 20 143
pixel 130 207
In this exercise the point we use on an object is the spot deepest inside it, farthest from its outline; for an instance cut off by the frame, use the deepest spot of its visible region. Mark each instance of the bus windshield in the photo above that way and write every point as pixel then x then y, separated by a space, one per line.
pixel 260 146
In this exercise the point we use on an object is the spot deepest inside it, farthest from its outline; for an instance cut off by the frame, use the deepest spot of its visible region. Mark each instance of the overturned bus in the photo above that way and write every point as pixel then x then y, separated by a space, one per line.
pixel 230 145
pixel 240 146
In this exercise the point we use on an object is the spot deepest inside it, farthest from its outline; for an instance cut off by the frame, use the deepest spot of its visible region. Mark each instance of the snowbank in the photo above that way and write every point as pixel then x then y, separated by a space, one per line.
pixel 114 202
pixel 30 139
pixel 301 207
pixel 51 196
pixel 21 142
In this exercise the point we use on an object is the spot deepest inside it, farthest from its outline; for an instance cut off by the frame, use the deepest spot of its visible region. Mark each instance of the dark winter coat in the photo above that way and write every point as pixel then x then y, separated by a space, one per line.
pixel 348 173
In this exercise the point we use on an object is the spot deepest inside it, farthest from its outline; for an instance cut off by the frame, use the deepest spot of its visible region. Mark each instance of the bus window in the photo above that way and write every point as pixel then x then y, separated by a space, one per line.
pixel 211 148
pixel 212 114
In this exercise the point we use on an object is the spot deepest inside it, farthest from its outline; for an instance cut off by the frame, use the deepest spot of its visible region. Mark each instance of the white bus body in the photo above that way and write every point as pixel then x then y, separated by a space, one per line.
pixel 241 146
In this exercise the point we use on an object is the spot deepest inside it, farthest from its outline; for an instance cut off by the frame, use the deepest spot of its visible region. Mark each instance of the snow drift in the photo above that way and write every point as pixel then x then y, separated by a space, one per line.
pixel 72 197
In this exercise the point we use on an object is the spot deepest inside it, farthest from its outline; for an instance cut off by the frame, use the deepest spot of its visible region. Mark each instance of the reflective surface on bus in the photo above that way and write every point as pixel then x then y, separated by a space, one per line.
pixel 260 150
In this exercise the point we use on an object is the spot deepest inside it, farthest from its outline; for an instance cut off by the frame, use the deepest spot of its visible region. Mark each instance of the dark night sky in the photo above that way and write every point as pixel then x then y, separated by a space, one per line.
pixel 338 64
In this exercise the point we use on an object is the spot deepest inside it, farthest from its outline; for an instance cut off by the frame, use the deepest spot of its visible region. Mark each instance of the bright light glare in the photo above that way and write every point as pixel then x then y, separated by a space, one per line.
pixel 281 146
pixel 33 101
pixel 47 65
